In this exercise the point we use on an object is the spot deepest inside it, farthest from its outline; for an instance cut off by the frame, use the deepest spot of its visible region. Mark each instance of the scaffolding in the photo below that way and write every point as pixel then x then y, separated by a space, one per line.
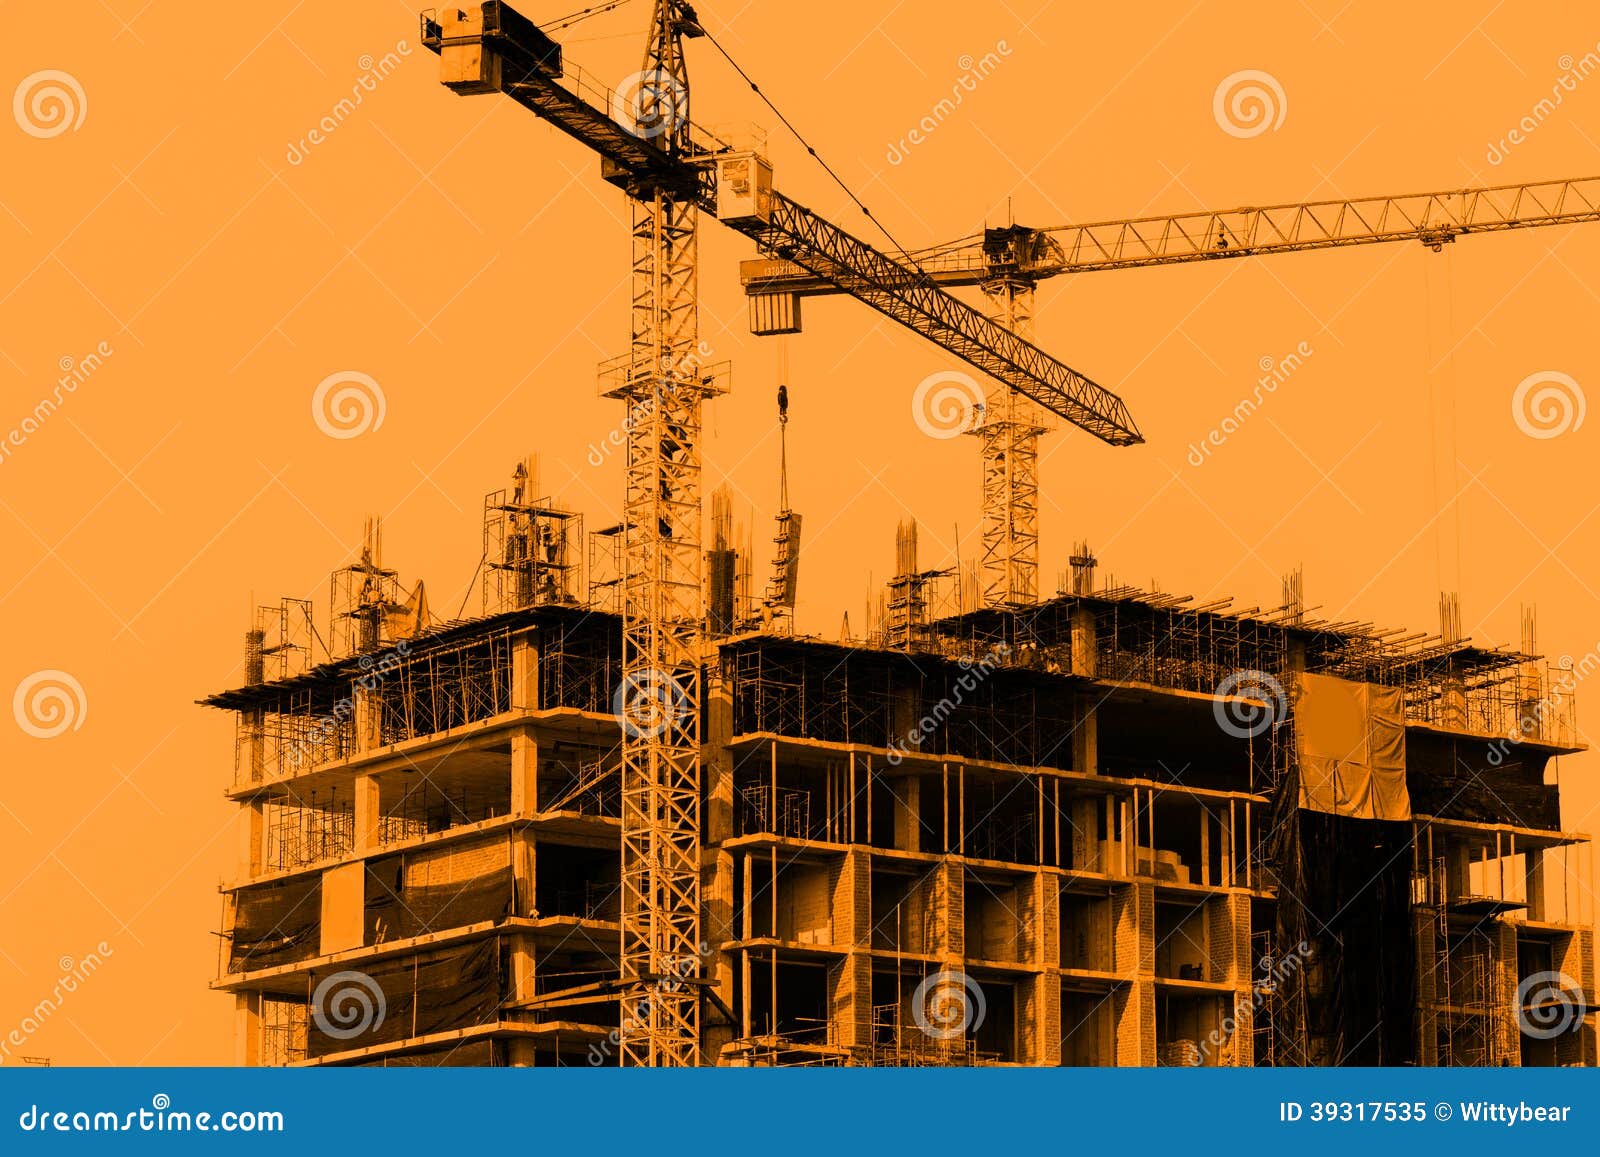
pixel 530 546
pixel 605 569
pixel 308 830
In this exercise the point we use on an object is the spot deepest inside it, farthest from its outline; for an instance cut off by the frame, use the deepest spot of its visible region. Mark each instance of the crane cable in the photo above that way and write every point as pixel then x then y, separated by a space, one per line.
pixel 578 17
pixel 902 251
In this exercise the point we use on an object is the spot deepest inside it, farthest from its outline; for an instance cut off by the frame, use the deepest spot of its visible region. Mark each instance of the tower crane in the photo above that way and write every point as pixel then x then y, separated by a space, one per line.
pixel 1007 263
pixel 671 171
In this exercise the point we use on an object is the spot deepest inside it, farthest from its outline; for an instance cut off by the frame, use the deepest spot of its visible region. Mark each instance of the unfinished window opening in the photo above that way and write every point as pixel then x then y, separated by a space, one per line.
pixel 789 999
pixel 1189 1029
pixel 581 778
pixel 796 904
pixel 1183 940
pixel 1086 932
pixel 1002 817
pixel 994 924
pixel 581 882
pixel 1088 1036
pixel 794 801
pixel 903 919
pixel 466 788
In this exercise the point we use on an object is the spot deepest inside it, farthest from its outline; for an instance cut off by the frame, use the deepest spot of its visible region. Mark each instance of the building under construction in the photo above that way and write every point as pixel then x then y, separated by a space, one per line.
pixel 629 815
pixel 1111 828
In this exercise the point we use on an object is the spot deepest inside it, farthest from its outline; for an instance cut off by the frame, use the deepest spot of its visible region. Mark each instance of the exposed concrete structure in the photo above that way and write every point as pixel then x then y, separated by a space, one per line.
pixel 1066 834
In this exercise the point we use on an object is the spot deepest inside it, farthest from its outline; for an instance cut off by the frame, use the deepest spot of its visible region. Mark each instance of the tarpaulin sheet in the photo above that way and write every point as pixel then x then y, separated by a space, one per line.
pixel 276 924
pixel 1351 742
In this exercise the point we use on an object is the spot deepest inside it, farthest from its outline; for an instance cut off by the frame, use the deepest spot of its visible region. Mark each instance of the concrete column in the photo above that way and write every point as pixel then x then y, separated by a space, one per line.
pixel 850 1000
pixel 1134 1009
pixel 524 774
pixel 252 838
pixel 525 673
pixel 368 815
pixel 1534 875
pixel 949 897
pixel 368 719
pixel 344 907
pixel 1084 643
pixel 1427 988
pixel 717 927
pixel 247 1028
pixel 715 761
pixel 1505 1013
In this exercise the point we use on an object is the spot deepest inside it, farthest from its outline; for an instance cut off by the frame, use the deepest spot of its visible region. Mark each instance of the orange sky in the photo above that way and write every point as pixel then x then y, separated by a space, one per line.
pixel 468 259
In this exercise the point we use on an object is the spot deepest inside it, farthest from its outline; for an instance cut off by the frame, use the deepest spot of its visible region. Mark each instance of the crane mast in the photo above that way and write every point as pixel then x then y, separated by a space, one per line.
pixel 662 613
